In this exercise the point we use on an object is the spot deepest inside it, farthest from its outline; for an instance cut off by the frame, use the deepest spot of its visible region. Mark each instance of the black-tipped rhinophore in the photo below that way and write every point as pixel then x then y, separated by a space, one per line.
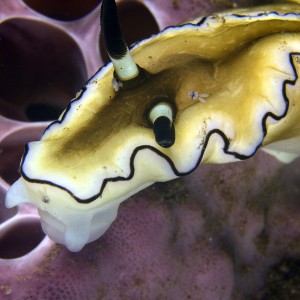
pixel 111 30
pixel 164 132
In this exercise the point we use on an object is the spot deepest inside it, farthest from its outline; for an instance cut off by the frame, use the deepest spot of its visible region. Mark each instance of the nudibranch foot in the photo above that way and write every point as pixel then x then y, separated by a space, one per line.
pixel 64 226
pixel 286 150
pixel 214 90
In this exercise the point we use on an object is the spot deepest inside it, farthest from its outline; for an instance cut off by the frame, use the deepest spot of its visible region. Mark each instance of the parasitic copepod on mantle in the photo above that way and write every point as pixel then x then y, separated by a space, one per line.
pixel 213 90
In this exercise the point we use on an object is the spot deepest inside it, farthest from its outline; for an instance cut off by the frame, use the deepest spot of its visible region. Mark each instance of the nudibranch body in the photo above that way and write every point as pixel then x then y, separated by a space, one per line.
pixel 213 90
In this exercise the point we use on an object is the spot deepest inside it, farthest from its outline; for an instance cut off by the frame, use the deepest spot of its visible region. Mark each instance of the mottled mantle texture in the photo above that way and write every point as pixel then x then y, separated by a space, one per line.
pixel 224 232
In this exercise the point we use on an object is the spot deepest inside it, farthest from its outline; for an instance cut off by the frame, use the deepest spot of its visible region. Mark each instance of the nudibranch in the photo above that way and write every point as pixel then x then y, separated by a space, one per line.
pixel 213 90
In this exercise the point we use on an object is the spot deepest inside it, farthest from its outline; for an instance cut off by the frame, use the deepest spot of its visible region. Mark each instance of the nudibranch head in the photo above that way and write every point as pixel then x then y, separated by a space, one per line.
pixel 210 91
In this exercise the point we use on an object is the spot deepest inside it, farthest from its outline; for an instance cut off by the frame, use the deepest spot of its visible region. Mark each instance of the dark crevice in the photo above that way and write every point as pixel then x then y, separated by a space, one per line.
pixel 66 10
pixel 40 67
pixel 20 238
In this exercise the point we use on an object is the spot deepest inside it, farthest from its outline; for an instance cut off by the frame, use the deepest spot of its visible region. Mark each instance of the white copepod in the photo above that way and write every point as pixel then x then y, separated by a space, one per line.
pixel 111 143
